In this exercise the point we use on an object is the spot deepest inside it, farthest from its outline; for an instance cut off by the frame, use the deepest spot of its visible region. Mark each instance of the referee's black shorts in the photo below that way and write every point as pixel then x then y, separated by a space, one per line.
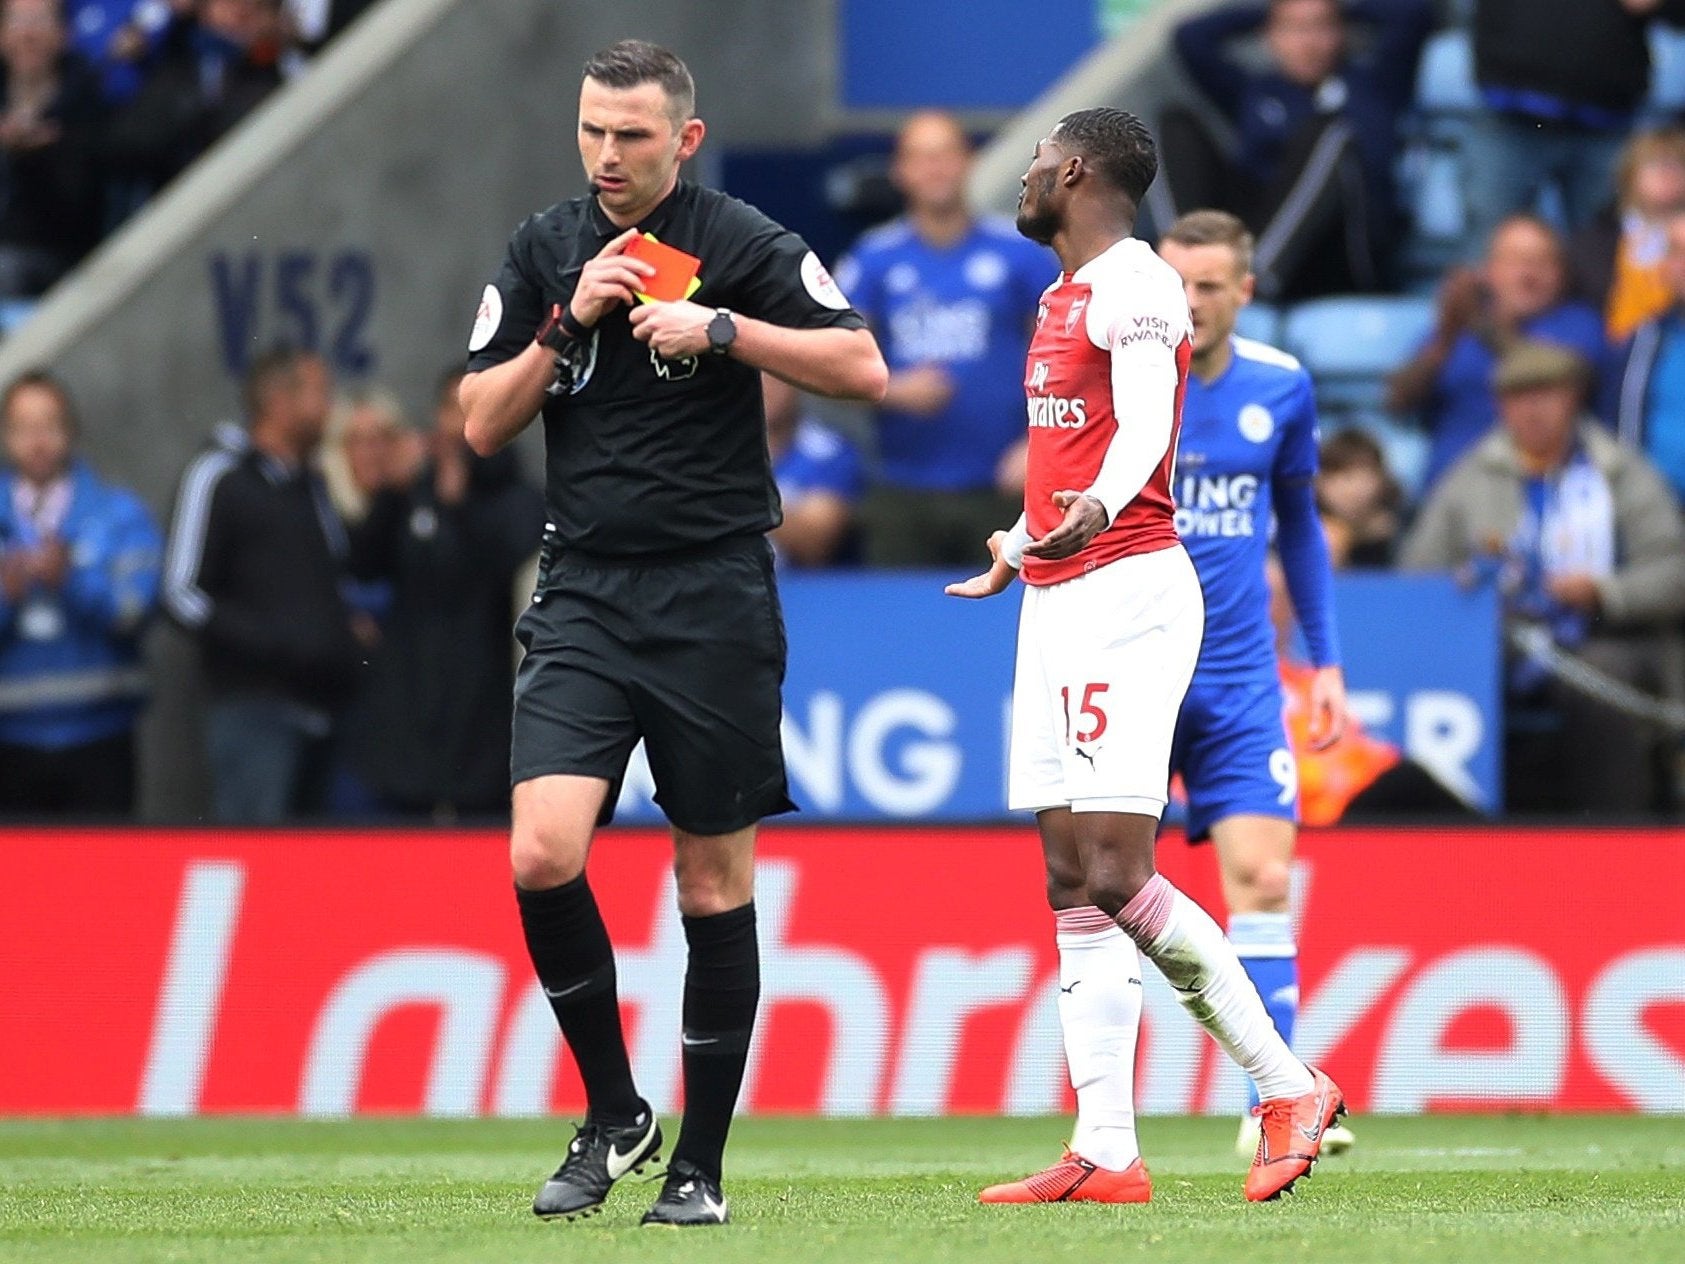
pixel 685 652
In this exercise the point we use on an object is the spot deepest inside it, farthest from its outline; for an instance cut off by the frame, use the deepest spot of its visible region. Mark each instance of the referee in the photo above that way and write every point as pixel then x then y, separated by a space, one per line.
pixel 656 615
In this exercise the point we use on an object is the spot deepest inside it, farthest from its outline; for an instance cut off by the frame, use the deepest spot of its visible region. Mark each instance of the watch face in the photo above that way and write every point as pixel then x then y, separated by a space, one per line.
pixel 721 330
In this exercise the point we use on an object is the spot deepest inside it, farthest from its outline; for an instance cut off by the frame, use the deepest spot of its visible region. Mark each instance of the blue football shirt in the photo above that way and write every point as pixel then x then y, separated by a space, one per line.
pixel 967 308
pixel 1245 437
pixel 1464 408
pixel 819 460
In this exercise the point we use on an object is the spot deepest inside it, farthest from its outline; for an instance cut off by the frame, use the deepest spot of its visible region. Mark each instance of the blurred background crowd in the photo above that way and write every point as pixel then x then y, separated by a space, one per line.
pixel 106 101
pixel 1470 221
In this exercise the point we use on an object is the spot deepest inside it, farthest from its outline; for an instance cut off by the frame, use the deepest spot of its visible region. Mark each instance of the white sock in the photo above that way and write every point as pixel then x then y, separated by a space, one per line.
pixel 1182 941
pixel 1100 1015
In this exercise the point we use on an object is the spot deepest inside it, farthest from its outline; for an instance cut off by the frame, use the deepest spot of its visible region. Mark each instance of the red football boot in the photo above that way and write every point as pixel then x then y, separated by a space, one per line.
pixel 1290 1137
pixel 1075 1180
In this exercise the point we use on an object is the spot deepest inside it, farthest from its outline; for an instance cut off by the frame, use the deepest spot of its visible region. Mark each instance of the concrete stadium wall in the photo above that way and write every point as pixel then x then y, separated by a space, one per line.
pixel 364 209
pixel 361 211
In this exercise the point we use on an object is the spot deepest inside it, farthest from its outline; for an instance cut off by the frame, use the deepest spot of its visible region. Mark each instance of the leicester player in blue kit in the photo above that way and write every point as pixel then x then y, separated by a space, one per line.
pixel 1248 458
pixel 951 295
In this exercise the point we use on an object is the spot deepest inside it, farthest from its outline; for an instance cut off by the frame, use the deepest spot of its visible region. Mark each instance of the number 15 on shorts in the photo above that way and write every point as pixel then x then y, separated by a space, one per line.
pixel 1087 721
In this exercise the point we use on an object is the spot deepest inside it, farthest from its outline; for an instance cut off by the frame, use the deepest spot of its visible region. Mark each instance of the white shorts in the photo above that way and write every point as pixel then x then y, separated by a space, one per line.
pixel 1103 662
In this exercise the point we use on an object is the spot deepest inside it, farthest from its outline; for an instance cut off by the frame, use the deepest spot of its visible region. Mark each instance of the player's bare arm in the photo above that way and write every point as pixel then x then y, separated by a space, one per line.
pixel 503 400
pixel 838 363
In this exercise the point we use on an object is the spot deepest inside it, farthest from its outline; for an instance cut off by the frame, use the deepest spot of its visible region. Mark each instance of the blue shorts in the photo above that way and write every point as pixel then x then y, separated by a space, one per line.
pixel 1231 749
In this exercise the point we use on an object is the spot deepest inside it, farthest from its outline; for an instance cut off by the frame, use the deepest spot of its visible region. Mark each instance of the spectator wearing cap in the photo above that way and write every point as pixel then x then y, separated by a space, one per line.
pixel 1645 401
pixel 1586 542
pixel 1518 292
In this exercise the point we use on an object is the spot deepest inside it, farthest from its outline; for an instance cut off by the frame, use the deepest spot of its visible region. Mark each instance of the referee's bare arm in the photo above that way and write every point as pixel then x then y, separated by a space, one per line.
pixel 501 401
pixel 839 363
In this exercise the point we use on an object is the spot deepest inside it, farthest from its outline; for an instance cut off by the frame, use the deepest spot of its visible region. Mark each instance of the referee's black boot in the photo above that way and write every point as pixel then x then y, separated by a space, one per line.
pixel 598 1156
pixel 688 1198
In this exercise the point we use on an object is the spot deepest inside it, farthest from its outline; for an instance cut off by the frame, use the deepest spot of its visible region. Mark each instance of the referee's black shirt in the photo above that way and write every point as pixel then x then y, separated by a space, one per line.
pixel 645 455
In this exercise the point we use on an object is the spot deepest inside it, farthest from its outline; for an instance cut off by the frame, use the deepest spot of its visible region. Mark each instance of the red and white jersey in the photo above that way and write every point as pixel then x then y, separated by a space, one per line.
pixel 1106 372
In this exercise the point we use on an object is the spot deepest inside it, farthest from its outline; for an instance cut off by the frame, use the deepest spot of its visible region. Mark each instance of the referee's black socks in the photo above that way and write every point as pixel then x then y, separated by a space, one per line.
pixel 570 950
pixel 722 989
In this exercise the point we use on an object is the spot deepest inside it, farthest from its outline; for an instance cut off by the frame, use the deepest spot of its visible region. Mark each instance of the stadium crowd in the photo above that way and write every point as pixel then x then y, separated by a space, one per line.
pixel 1525 429
pixel 103 102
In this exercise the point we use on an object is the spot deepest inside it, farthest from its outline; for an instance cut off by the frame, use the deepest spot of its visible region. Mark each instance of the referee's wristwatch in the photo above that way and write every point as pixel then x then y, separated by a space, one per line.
pixel 561 328
pixel 722 331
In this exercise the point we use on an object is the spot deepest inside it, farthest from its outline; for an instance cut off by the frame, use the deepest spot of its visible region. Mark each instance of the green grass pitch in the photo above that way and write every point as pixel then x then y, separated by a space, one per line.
pixel 1540 1190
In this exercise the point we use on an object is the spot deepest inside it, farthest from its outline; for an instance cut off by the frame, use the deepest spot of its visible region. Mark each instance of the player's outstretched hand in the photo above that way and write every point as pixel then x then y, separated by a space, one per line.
pixel 1328 707
pixel 608 280
pixel 1085 518
pixel 998 578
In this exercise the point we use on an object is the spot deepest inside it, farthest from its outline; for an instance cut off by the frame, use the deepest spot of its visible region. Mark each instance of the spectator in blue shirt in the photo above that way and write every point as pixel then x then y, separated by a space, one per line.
pixel 1645 401
pixel 212 66
pixel 821 479
pixel 1316 135
pixel 951 296
pixel 79 564
pixel 116 36
pixel 1516 294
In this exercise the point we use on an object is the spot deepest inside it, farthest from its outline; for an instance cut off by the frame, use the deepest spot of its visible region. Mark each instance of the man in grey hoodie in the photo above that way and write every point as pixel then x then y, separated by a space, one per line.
pixel 1586 541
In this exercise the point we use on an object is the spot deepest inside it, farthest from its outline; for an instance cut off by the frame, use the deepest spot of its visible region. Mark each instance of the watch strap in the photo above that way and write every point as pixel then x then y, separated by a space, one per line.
pixel 560 328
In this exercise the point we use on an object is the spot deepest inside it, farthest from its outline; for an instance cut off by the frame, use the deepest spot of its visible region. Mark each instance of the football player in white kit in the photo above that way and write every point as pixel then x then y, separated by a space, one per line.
pixel 1107 640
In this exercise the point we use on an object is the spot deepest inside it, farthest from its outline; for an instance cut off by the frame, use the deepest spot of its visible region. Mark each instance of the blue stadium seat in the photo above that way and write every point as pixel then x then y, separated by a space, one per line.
pixel 14 311
pixel 1667 73
pixel 1261 323
pixel 1433 193
pixel 1430 168
pixel 1349 346
pixel 1445 76
pixel 1356 341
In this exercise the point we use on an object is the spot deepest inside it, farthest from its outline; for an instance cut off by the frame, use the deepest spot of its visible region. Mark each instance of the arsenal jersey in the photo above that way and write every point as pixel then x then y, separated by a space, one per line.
pixel 1104 381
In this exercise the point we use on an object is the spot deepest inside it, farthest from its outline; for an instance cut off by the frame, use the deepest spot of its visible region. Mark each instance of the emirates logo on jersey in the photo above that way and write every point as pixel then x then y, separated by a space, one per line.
pixel 1038 376
pixel 1078 306
pixel 1052 412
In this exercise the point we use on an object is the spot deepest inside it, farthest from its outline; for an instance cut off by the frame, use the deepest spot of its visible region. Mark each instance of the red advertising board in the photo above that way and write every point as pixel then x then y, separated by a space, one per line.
pixel 906 971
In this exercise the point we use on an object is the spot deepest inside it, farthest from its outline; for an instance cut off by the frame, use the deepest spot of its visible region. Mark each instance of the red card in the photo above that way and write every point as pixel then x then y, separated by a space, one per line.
pixel 674 269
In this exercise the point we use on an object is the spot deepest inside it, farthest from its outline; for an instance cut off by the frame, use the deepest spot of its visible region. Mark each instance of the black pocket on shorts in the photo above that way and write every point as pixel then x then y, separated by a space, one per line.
pixel 773 607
